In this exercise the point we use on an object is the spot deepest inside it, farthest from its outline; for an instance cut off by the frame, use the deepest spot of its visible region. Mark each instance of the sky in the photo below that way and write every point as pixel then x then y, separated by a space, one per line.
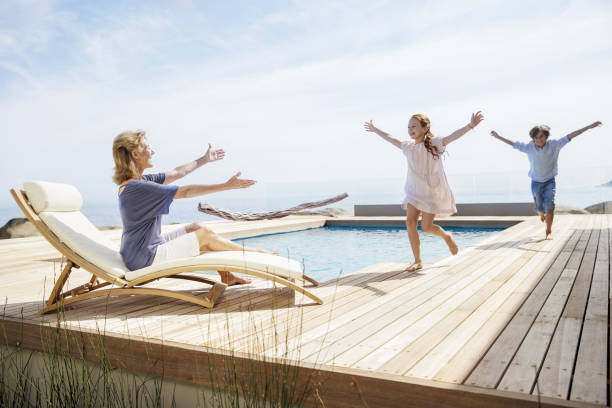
pixel 284 87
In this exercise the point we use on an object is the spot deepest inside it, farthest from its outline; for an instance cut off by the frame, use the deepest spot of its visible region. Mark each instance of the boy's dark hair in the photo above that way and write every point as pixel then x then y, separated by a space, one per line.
pixel 543 128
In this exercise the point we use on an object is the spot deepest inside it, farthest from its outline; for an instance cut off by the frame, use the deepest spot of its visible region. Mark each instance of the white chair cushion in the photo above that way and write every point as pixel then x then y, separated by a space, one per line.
pixel 272 264
pixel 80 235
pixel 46 196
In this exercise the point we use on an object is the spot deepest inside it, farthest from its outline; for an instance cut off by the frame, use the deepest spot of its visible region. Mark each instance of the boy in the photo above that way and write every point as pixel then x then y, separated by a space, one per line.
pixel 543 155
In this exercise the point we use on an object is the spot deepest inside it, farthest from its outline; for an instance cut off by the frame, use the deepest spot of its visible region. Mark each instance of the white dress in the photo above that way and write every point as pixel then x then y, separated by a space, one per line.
pixel 426 186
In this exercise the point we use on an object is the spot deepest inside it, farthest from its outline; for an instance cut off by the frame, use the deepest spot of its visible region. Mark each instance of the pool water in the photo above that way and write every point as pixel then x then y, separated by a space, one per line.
pixel 328 252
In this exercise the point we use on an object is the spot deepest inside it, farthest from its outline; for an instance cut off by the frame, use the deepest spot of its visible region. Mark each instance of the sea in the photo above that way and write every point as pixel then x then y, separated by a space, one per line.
pixel 575 187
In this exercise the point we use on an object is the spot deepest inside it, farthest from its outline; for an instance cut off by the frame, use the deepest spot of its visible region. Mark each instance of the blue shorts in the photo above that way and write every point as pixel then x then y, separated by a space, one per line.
pixel 544 195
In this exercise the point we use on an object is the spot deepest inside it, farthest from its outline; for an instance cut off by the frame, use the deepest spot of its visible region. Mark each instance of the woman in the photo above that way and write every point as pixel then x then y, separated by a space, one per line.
pixel 143 199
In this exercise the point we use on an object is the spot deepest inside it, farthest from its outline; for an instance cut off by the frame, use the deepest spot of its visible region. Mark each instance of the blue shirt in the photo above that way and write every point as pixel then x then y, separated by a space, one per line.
pixel 142 204
pixel 542 161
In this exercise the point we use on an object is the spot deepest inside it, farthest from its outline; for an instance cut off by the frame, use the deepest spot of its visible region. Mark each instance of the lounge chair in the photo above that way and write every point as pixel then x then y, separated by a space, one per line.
pixel 54 209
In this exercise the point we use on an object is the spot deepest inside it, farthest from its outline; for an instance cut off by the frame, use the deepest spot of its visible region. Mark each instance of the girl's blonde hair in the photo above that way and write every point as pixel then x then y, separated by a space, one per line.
pixel 123 146
pixel 424 121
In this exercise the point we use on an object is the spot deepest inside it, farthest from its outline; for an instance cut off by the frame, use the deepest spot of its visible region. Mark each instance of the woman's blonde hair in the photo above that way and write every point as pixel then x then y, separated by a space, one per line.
pixel 424 121
pixel 123 146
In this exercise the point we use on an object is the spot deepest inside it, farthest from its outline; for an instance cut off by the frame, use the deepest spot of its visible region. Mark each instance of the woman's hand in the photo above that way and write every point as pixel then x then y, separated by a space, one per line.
pixel 476 119
pixel 595 124
pixel 369 127
pixel 495 134
pixel 235 182
pixel 213 155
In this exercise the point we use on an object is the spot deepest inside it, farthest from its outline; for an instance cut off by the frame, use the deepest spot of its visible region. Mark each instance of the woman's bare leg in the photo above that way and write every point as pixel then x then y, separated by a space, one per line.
pixel 412 221
pixel 210 241
pixel 429 227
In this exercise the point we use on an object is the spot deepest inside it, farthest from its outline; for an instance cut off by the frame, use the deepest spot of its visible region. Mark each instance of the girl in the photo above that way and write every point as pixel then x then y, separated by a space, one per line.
pixel 143 199
pixel 427 191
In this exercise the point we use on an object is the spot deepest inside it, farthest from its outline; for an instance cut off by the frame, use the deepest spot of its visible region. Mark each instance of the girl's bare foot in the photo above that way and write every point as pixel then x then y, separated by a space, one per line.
pixel 452 245
pixel 415 266
pixel 542 217
pixel 548 234
pixel 230 279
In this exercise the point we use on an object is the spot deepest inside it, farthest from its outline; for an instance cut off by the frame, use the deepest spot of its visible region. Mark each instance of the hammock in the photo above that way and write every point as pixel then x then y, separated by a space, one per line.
pixel 236 216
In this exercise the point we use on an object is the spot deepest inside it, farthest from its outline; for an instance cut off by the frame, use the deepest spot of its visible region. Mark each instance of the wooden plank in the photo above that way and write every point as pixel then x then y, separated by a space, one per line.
pixel 459 367
pixel 523 281
pixel 555 376
pixel 569 295
pixel 415 351
pixel 334 306
pixel 402 333
pixel 340 387
pixel 589 382
pixel 351 324
pixel 346 344
pixel 338 301
pixel 493 365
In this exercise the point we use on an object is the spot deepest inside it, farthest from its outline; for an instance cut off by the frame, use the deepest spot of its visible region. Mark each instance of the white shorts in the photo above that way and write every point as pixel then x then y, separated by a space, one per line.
pixel 177 244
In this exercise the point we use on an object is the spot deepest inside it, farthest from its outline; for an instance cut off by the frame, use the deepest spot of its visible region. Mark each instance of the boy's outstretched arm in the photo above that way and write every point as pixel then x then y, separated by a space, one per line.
pixel 369 127
pixel 584 129
pixel 503 139
pixel 475 120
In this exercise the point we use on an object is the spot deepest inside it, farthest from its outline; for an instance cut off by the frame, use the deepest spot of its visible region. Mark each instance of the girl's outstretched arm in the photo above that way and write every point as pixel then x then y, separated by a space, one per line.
pixel 476 119
pixel 503 139
pixel 584 129
pixel 185 169
pixel 369 127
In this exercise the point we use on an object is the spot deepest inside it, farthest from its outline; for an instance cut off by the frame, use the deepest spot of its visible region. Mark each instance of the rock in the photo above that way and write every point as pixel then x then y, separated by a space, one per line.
pixel 565 209
pixel 18 228
pixel 605 207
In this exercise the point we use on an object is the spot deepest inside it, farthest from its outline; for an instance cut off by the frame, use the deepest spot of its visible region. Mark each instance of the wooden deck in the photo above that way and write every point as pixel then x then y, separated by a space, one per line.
pixel 512 321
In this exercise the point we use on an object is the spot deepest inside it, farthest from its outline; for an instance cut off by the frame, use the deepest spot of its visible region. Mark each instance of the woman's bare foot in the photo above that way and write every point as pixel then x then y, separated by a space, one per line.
pixel 452 245
pixel 230 279
pixel 542 217
pixel 415 266
pixel 548 234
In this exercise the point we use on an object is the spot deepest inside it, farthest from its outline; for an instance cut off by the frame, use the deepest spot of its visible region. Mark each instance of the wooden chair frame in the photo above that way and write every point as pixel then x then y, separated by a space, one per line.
pixel 92 289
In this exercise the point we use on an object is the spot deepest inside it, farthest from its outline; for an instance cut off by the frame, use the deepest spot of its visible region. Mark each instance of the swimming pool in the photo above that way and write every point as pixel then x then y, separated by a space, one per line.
pixel 328 252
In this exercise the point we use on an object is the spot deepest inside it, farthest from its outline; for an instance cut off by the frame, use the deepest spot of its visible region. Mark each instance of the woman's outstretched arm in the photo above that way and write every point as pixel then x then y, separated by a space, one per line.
pixel 185 169
pixel 369 127
pixel 503 139
pixel 584 129
pixel 476 119
pixel 194 190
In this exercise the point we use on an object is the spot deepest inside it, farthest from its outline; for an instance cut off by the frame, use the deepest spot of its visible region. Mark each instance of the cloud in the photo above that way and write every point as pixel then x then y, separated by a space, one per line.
pixel 288 103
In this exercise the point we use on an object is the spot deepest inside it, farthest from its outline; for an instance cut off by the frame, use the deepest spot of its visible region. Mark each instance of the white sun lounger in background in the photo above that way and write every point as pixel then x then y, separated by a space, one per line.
pixel 54 209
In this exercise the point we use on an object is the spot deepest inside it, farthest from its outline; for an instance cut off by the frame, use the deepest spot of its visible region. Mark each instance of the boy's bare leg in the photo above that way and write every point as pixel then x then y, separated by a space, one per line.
pixel 549 220
pixel 429 227
pixel 412 221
